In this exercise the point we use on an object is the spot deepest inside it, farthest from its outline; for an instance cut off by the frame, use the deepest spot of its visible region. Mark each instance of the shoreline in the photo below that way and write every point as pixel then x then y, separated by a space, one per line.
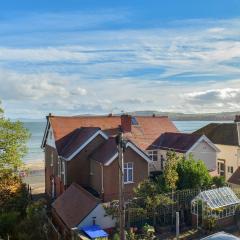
pixel 35 177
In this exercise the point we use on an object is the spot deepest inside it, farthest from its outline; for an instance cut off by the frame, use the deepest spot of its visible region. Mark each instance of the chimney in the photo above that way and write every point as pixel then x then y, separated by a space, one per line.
pixel 126 123
pixel 237 118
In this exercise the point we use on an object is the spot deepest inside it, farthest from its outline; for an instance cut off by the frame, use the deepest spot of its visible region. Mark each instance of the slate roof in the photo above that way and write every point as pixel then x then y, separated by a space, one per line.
pixel 74 205
pixel 235 178
pixel 71 142
pixel 179 142
pixel 142 134
pixel 221 133
pixel 106 151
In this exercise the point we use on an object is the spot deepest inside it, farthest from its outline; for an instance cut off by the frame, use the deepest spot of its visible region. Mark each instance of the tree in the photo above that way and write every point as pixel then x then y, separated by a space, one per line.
pixel 192 173
pixel 219 181
pixel 170 172
pixel 13 145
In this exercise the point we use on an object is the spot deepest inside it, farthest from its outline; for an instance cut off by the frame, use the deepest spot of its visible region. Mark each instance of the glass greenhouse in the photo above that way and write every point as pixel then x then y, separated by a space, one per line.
pixel 218 203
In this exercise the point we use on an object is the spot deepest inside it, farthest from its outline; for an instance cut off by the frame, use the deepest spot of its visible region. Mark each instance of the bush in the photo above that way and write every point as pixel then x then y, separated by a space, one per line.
pixel 219 181
pixel 8 221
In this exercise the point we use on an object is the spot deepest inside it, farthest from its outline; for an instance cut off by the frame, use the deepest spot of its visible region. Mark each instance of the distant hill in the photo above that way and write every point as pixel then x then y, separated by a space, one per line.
pixel 223 116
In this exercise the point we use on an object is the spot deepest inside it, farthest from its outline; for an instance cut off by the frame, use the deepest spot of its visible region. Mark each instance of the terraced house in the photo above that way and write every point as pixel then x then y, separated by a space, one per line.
pixel 226 136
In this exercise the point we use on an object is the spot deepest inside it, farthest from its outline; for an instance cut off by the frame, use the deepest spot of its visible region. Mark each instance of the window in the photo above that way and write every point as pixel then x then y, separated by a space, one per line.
pixel 153 155
pixel 221 167
pixel 162 162
pixel 230 169
pixel 128 172
pixel 51 159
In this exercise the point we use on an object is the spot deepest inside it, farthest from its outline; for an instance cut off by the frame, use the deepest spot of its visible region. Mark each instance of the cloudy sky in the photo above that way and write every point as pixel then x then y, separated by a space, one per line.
pixel 76 57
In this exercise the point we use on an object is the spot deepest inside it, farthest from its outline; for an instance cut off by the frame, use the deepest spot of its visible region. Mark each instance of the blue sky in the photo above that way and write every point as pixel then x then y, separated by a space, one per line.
pixel 75 57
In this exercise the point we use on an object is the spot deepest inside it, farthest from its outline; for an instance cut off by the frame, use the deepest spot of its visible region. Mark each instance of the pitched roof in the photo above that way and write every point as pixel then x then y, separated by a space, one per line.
pixel 142 134
pixel 148 129
pixel 221 133
pixel 235 178
pixel 71 142
pixel 107 152
pixel 179 142
pixel 74 205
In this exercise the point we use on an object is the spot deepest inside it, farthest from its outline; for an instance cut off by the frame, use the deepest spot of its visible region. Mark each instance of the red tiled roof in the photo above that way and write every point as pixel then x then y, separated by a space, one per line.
pixel 74 205
pixel 71 142
pixel 179 142
pixel 235 178
pixel 143 134
pixel 64 125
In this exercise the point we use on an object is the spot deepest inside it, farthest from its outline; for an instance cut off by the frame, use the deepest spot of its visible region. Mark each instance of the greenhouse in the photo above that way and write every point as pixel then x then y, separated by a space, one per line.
pixel 219 203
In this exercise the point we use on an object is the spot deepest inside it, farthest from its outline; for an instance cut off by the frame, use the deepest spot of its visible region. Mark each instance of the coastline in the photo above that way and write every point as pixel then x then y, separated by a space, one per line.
pixel 35 177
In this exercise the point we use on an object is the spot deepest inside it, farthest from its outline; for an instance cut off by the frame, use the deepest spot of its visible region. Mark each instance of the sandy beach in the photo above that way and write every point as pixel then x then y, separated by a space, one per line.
pixel 35 176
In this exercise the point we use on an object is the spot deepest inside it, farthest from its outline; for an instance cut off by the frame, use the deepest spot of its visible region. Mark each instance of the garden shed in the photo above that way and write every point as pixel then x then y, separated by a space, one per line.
pixel 217 205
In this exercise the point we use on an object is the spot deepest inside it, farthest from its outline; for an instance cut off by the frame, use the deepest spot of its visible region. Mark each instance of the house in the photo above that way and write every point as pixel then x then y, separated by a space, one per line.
pixel 104 168
pixel 226 136
pixel 234 180
pixel 77 209
pixel 199 146
pixel 81 149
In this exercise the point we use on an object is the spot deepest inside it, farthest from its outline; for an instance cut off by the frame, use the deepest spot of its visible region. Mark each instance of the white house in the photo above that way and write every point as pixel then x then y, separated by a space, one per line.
pixel 199 146
pixel 226 137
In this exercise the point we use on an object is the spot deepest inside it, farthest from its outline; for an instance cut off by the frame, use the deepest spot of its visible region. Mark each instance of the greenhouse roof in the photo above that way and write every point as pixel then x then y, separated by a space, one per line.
pixel 219 197
pixel 221 236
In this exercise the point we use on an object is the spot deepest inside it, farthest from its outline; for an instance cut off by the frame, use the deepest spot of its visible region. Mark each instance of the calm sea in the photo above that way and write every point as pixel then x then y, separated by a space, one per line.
pixel 37 131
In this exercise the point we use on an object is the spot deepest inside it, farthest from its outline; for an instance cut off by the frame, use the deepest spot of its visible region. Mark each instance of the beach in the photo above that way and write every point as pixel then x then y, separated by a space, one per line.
pixel 35 176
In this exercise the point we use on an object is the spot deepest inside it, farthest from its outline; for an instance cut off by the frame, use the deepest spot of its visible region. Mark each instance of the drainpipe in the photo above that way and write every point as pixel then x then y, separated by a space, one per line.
pixel 102 190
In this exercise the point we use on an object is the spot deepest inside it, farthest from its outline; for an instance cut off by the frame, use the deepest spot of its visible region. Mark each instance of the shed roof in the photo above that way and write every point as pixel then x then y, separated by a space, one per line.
pixel 74 205
pixel 219 197
pixel 94 231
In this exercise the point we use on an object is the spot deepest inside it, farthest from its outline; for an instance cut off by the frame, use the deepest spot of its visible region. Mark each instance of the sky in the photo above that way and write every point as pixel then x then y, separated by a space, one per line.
pixel 72 57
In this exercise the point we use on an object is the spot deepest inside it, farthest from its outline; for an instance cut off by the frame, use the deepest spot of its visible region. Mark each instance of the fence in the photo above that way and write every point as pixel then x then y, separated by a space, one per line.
pixel 164 215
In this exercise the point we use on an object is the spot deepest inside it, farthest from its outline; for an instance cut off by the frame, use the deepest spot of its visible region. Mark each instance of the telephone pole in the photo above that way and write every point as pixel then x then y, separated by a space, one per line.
pixel 120 143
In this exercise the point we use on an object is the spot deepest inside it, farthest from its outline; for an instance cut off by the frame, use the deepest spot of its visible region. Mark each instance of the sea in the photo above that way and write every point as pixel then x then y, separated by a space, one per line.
pixel 37 128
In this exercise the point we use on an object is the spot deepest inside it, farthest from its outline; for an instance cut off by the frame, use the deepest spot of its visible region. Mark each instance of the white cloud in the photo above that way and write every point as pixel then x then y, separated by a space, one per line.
pixel 76 69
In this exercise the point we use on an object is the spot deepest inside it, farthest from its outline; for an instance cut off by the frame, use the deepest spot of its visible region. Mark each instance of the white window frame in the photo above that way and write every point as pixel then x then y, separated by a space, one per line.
pixel 128 166
pixel 152 153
